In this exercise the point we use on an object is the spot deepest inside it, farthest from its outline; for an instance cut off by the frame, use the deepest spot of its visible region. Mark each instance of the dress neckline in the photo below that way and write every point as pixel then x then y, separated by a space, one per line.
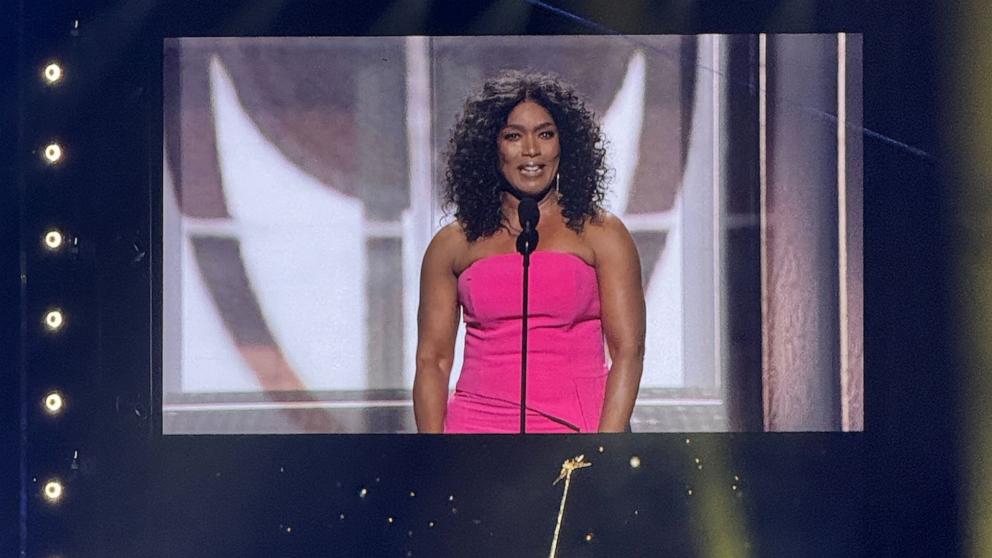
pixel 542 252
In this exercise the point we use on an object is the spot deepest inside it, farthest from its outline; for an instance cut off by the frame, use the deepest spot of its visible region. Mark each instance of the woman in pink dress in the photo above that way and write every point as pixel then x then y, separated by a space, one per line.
pixel 529 136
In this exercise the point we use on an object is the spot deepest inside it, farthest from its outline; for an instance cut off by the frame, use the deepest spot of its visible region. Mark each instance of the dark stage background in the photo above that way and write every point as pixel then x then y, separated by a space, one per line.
pixel 893 490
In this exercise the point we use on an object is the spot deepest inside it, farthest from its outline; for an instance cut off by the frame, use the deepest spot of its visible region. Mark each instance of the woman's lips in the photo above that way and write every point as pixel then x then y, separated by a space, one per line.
pixel 531 169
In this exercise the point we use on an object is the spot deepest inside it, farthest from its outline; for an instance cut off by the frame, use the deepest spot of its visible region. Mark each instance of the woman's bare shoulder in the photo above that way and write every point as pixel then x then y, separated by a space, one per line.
pixel 448 244
pixel 605 227
pixel 606 234
pixel 451 235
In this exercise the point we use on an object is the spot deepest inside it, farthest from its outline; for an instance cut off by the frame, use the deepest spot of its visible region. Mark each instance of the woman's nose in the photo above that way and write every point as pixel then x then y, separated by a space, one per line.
pixel 531 148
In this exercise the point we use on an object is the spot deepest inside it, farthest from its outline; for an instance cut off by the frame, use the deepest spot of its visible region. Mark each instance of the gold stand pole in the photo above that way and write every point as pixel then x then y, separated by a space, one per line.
pixel 567 468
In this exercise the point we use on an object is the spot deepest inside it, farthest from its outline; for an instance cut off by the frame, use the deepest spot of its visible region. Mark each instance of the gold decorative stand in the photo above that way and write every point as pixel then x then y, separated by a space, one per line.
pixel 567 468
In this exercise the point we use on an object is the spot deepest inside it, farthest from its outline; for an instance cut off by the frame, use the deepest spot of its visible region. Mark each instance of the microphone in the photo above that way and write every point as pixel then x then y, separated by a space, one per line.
pixel 529 215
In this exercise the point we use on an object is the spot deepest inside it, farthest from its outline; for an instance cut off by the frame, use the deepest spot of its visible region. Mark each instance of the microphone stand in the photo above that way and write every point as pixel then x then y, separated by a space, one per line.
pixel 523 342
pixel 526 243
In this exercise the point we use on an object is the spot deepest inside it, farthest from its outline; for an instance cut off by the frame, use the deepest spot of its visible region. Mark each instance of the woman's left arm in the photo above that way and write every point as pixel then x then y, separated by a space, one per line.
pixel 618 269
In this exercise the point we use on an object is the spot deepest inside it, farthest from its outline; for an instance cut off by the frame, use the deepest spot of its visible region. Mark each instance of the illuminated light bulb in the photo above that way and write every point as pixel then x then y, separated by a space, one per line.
pixel 363 492
pixel 53 239
pixel 635 462
pixel 588 537
pixel 54 320
pixel 53 491
pixel 600 449
pixel 54 403
pixel 52 73
pixel 53 153
pixel 390 520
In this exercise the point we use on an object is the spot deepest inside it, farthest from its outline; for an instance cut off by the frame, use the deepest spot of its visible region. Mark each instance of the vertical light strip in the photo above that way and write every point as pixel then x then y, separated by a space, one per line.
pixel 970 145
pixel 717 213
pixel 763 217
pixel 416 235
pixel 845 405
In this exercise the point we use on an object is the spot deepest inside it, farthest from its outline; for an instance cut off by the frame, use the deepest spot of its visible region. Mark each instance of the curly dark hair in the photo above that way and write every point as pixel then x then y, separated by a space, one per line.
pixel 472 181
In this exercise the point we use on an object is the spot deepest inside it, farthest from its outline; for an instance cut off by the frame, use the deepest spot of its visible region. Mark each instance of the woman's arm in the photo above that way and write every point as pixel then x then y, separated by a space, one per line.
pixel 437 326
pixel 618 269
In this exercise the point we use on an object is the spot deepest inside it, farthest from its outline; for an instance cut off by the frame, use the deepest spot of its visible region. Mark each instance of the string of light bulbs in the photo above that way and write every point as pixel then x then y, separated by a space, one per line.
pixel 53 403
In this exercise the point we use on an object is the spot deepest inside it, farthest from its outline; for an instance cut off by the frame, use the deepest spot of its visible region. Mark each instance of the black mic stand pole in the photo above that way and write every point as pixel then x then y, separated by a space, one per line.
pixel 526 243
pixel 523 342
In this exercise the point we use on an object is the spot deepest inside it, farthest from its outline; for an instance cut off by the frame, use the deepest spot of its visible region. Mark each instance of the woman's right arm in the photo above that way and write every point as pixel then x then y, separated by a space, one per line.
pixel 437 326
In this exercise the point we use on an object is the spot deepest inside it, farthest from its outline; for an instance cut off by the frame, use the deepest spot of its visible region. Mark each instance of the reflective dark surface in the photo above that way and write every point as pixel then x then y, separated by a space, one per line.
pixel 892 490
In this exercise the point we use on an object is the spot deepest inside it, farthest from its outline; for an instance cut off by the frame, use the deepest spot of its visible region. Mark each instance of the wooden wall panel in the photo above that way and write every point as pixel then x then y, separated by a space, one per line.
pixel 801 352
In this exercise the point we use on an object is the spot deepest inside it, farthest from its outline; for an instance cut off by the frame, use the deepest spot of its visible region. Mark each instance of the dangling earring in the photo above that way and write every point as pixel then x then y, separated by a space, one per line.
pixel 557 182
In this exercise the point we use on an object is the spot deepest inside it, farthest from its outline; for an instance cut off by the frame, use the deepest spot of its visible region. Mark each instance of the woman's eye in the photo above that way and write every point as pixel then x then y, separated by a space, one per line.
pixel 511 136
pixel 547 134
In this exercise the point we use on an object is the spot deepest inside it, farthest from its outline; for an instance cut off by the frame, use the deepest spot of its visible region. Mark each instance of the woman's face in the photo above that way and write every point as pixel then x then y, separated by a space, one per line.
pixel 528 148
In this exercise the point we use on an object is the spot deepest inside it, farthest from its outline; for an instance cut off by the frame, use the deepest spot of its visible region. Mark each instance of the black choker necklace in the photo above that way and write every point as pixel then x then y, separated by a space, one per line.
pixel 518 194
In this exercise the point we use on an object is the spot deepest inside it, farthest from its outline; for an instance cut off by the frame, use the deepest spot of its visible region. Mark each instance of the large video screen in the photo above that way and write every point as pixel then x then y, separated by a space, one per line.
pixel 303 182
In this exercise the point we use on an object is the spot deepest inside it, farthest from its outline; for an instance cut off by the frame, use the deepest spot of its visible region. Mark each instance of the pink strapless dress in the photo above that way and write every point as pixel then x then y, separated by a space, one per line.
pixel 566 362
